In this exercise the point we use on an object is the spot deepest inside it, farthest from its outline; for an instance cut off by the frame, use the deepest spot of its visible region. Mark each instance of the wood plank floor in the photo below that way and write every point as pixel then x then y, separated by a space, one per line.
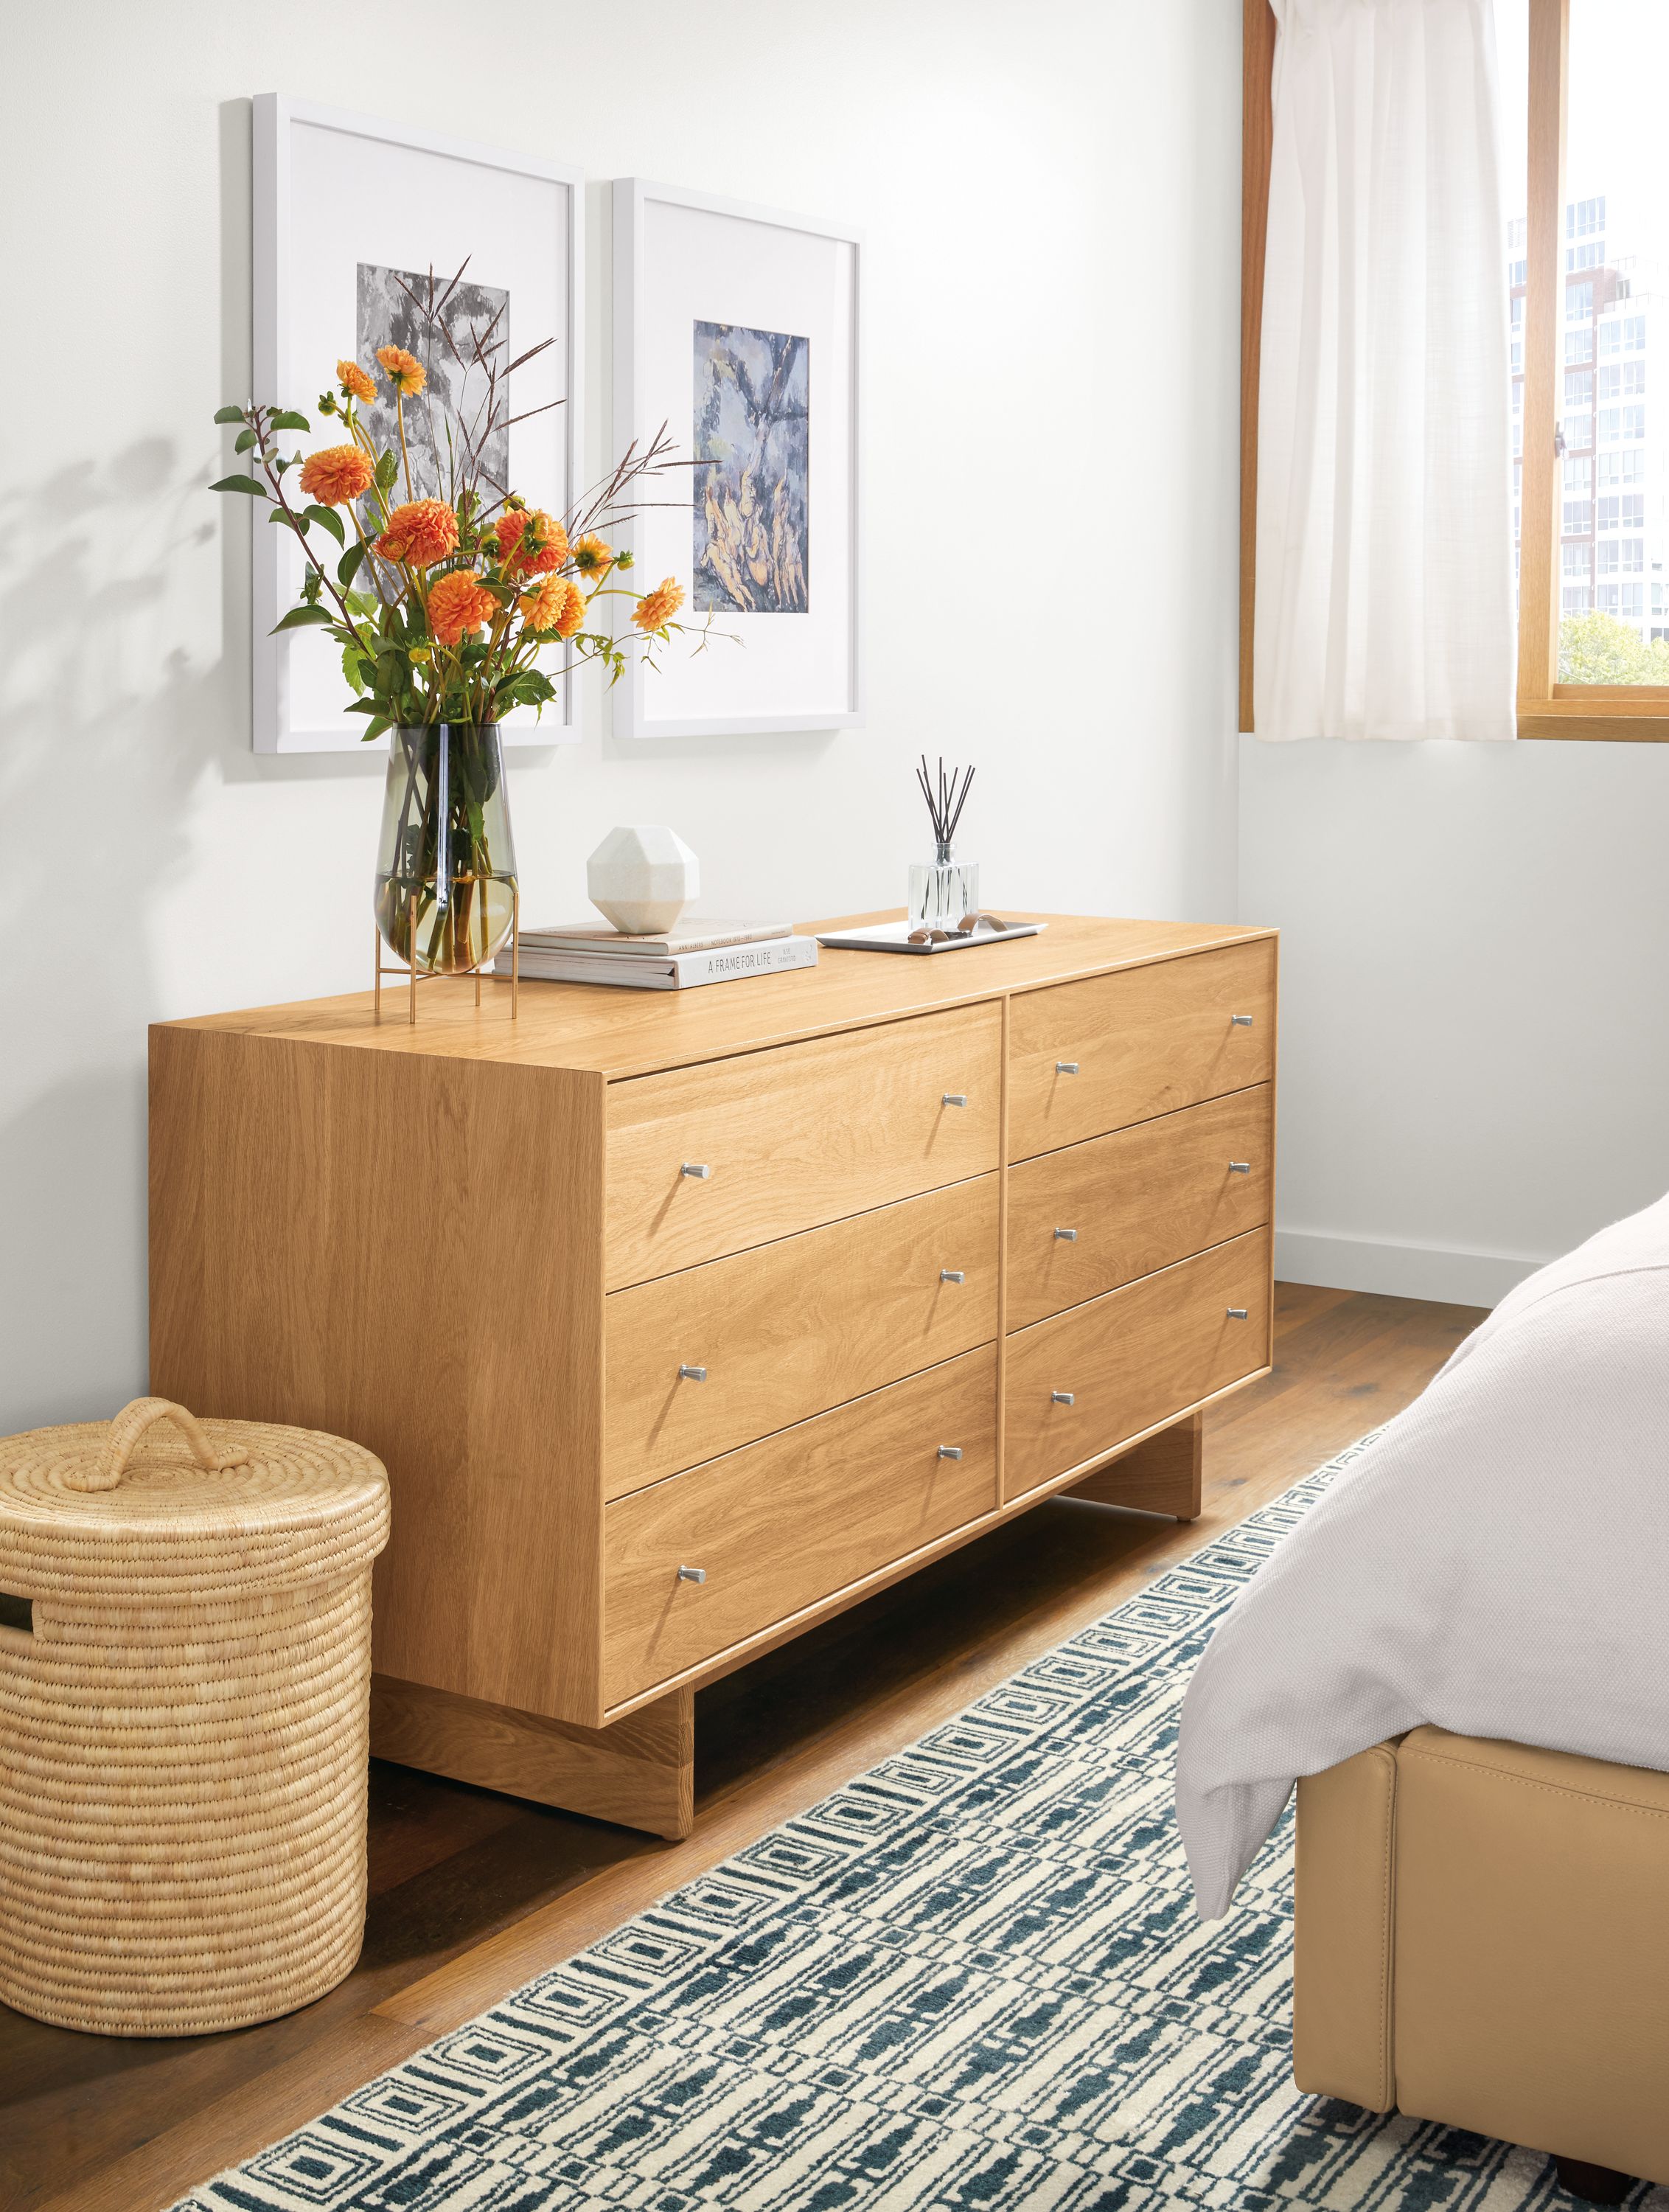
pixel 472 1893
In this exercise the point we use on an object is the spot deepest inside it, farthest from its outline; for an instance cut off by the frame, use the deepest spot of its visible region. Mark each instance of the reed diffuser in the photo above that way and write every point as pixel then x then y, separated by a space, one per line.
pixel 945 892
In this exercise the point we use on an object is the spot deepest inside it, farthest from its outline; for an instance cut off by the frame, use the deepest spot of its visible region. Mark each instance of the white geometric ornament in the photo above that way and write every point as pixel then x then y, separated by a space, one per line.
pixel 642 877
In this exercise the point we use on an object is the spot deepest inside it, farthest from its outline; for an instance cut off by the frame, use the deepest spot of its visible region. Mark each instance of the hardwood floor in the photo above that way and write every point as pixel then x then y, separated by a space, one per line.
pixel 472 1894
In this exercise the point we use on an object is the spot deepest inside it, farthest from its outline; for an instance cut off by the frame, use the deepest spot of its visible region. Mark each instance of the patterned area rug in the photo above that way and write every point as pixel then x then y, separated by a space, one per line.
pixel 972 1981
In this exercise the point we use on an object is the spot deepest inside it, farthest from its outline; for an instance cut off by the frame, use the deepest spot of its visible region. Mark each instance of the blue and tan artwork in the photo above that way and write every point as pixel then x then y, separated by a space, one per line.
pixel 753 450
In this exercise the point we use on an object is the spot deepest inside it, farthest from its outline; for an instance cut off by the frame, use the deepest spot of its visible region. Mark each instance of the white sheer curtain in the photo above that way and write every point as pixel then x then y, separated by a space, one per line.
pixel 1384 579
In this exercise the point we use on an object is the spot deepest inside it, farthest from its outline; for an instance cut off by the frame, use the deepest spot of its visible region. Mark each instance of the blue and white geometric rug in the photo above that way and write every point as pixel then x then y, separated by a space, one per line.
pixel 970 1981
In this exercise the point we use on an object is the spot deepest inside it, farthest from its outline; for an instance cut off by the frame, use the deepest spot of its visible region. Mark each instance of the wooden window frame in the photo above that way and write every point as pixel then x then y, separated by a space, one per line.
pixel 1546 708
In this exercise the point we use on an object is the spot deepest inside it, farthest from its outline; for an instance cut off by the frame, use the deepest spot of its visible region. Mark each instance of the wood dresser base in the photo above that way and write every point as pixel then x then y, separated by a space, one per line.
pixel 1161 1475
pixel 639 1773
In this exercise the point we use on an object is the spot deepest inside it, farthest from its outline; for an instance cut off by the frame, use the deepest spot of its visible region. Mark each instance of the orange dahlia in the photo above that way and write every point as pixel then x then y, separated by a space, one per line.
pixel 530 544
pixel 659 606
pixel 591 557
pixel 559 604
pixel 460 601
pixel 422 532
pixel 355 381
pixel 336 475
pixel 405 372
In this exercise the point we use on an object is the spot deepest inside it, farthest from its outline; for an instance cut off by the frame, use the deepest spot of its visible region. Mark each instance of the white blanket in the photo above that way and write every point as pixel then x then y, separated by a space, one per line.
pixel 1498 1564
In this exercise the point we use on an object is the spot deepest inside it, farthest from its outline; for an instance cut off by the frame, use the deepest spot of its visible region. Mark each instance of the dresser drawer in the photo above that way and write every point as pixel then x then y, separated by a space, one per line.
pixel 1094 1055
pixel 795 1519
pixel 797 1136
pixel 793 1327
pixel 1130 1360
pixel 1085 1219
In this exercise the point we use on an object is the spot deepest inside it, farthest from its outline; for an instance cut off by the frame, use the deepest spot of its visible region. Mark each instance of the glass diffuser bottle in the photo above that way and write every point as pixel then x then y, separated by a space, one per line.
pixel 945 891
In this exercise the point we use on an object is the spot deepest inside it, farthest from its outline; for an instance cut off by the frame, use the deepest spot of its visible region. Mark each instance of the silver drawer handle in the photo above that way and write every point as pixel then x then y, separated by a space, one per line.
pixel 699 1169
pixel 955 1098
pixel 1240 1021
pixel 953 1275
pixel 950 1451
pixel 1237 1313
pixel 692 1375
pixel 692 1574
pixel 1067 1235
pixel 1060 1397
pixel 1240 1167
pixel 1066 1067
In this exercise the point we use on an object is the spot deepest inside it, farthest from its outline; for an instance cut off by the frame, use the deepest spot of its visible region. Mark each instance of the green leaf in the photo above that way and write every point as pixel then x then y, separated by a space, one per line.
pixel 296 523
pixel 228 414
pixel 351 659
pixel 375 729
pixel 243 441
pixel 286 418
pixel 387 468
pixel 242 484
pixel 301 619
pixel 348 567
pixel 327 519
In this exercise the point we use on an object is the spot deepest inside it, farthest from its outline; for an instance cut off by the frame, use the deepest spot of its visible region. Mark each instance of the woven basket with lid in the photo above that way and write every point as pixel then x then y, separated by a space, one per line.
pixel 184 1715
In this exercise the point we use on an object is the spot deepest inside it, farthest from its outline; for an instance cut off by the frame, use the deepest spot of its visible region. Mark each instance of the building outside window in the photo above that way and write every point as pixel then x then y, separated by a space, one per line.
pixel 1577 561
pixel 1622 468
pixel 1634 334
pixel 1584 218
pixel 1578 474
pixel 1632 608
pixel 1611 338
pixel 1579 387
pixel 1633 562
pixel 1579 344
pixel 1579 430
pixel 1607 598
pixel 1579 518
pixel 1574 599
pixel 1608 553
pixel 1579 301
pixel 1633 423
pixel 1586 256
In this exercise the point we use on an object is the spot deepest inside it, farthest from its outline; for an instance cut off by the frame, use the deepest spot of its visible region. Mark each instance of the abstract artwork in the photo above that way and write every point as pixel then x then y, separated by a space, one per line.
pixel 751 441
pixel 387 314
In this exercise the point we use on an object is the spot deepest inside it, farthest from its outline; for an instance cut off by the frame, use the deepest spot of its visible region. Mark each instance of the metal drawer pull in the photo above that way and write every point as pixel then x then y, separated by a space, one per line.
pixel 1060 1397
pixel 1066 1067
pixel 696 1168
pixel 692 1574
pixel 1237 1313
pixel 955 1098
pixel 953 1275
pixel 1240 1167
pixel 950 1451
pixel 1067 1235
pixel 692 1375
pixel 1240 1021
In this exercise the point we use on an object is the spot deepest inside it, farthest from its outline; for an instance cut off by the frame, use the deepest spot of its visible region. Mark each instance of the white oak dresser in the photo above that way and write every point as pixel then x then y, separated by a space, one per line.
pixel 681 1320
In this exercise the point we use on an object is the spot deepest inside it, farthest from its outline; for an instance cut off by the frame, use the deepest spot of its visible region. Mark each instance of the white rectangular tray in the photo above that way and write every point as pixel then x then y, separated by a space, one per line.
pixel 895 937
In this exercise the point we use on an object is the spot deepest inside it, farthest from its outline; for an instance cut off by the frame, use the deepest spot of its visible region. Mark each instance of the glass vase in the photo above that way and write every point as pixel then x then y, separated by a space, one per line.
pixel 445 860
pixel 943 892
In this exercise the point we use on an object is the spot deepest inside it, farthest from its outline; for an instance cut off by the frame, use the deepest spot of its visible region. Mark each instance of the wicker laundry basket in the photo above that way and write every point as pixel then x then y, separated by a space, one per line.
pixel 184 1681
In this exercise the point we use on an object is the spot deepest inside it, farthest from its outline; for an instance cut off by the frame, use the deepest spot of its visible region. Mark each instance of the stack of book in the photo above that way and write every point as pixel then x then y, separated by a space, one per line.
pixel 696 951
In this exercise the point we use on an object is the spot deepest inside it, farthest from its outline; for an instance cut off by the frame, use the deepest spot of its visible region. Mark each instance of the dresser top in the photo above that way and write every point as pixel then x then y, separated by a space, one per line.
pixel 607 1030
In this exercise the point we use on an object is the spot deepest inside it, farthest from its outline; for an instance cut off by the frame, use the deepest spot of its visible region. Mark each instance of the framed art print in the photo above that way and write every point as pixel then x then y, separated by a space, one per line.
pixel 737 327
pixel 351 217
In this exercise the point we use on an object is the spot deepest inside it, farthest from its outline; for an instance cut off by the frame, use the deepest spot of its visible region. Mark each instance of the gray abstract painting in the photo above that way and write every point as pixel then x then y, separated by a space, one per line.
pixel 455 395
pixel 752 443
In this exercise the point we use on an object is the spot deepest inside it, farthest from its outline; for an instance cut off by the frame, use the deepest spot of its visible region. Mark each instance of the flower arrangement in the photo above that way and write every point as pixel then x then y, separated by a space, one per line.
pixel 443 596
pixel 445 599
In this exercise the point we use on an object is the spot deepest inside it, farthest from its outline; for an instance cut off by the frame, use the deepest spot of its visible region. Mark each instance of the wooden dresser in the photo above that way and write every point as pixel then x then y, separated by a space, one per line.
pixel 682 1321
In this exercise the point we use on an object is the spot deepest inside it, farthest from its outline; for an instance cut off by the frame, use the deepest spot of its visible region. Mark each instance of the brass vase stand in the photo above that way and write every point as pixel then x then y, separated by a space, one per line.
pixel 415 976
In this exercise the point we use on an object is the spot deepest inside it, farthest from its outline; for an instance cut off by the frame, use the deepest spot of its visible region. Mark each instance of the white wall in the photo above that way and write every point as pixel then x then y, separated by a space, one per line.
pixel 1474 1001
pixel 1051 570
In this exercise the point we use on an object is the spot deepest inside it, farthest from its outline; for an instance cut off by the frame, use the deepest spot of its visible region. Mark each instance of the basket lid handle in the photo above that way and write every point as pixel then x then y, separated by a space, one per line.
pixel 130 1424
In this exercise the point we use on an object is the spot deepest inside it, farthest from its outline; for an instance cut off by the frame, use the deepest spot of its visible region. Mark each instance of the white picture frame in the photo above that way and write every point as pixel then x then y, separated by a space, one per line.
pixel 417 200
pixel 686 262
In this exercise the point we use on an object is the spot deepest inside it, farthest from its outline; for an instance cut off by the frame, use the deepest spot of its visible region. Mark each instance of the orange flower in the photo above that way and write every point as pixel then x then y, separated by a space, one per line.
pixel 422 532
pixel 460 601
pixel 559 604
pixel 659 606
pixel 591 557
pixel 530 544
pixel 355 381
pixel 336 475
pixel 406 373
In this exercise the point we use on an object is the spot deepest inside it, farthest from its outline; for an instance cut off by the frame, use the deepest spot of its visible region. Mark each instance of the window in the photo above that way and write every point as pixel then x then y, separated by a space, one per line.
pixel 1632 608
pixel 1517 272
pixel 1633 562
pixel 1579 303
pixel 1633 422
pixel 1579 386
pixel 1584 217
pixel 1574 599
pixel 1634 334
pixel 1611 338
pixel 1609 551
pixel 1634 376
pixel 1586 256
pixel 1577 561
pixel 1607 598
pixel 1628 466
pixel 1578 473
pixel 1579 430
pixel 1515 234
pixel 1578 518
pixel 1579 344
pixel 1518 311
pixel 1611 426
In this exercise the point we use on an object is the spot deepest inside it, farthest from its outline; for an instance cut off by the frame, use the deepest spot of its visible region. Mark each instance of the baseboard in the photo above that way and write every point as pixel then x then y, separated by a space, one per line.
pixel 1398 1271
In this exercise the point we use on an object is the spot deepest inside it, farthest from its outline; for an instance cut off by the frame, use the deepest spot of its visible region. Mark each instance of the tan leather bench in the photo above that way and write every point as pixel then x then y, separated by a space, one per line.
pixel 1483 1940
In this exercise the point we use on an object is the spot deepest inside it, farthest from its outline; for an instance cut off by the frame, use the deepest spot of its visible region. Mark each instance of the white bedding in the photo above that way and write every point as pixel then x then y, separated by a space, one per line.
pixel 1498 1564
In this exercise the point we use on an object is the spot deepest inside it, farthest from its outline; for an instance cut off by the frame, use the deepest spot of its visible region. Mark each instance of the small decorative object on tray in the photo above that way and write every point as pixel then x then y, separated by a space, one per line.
pixel 642 878
pixel 671 960
pixel 945 892
pixel 443 587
